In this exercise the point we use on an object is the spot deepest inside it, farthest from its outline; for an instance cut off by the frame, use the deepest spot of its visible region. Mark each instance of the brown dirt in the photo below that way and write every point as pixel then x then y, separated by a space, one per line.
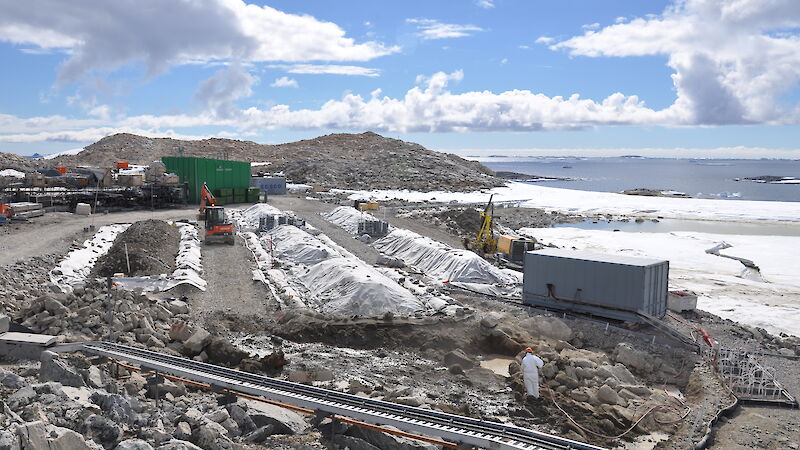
pixel 152 246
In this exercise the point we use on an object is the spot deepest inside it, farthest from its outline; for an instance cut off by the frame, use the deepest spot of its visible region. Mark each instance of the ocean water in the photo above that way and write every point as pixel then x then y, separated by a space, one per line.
pixel 702 178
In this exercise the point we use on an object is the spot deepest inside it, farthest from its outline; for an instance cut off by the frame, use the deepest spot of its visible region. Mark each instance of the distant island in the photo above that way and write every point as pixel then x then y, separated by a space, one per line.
pixel 655 193
pixel 771 179
pixel 524 177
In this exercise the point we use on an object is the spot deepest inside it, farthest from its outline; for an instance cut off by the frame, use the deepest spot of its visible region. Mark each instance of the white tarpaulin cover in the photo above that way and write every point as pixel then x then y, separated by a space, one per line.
pixel 348 218
pixel 347 286
pixel 295 245
pixel 338 282
pixel 251 215
pixel 440 261
pixel 78 264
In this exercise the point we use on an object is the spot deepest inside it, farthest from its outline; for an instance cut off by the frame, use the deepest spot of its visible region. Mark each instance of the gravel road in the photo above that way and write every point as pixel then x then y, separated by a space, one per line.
pixel 228 272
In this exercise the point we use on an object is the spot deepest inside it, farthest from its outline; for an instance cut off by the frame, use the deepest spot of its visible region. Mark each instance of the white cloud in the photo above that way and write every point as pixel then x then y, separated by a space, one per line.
pixel 102 112
pixel 427 107
pixel 333 69
pixel 620 19
pixel 485 4
pixel 285 82
pixel 433 29
pixel 730 65
pixel 219 93
pixel 104 36
pixel 591 26
pixel 91 135
pixel 546 40
pixel 430 107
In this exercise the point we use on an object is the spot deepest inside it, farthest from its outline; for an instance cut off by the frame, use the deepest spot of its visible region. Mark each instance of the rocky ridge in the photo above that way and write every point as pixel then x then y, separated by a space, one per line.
pixel 347 161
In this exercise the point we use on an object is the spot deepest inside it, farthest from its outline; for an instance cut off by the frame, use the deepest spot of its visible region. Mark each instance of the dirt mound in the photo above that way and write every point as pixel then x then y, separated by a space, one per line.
pixel 152 247
pixel 462 222
pixel 351 161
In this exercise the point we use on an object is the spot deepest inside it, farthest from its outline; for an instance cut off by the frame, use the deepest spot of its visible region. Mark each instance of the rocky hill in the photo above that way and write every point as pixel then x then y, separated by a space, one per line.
pixel 17 162
pixel 349 161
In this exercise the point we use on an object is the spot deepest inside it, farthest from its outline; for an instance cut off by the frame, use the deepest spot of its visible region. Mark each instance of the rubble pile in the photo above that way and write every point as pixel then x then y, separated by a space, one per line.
pixel 149 246
pixel 74 403
pixel 23 280
pixel 94 312
pixel 606 390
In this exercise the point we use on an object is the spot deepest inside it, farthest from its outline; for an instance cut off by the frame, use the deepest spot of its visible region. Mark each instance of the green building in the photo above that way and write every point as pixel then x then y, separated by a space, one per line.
pixel 228 180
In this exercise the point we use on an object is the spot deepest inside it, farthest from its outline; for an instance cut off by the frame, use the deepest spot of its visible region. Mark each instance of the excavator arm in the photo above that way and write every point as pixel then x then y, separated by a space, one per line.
pixel 484 243
pixel 206 197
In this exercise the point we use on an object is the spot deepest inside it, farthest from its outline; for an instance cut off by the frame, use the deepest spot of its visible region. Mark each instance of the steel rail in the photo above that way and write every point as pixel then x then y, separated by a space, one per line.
pixel 462 430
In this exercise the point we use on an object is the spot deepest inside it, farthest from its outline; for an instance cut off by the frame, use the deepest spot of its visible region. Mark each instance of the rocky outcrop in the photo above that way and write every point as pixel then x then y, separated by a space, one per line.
pixel 350 161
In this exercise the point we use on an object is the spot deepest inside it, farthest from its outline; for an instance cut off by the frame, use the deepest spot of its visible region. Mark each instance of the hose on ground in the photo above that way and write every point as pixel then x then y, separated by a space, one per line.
pixel 682 415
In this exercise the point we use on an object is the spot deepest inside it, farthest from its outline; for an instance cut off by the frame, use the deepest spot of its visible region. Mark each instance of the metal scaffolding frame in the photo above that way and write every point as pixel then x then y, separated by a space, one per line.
pixel 750 380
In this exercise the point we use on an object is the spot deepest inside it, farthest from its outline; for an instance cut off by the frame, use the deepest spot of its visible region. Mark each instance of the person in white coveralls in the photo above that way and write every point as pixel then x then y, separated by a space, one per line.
pixel 530 372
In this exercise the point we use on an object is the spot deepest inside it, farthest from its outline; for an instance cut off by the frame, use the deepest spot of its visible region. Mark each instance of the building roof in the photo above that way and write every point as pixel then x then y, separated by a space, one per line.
pixel 599 257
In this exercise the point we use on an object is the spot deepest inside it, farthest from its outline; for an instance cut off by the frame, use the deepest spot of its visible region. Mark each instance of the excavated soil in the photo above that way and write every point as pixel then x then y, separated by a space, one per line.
pixel 152 246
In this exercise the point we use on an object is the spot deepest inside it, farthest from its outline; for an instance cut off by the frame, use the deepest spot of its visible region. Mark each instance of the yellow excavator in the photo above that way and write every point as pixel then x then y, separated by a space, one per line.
pixel 509 251
pixel 484 243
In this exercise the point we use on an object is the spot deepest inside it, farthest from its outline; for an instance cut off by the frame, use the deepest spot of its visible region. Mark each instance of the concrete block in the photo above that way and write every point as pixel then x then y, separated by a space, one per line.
pixel 679 301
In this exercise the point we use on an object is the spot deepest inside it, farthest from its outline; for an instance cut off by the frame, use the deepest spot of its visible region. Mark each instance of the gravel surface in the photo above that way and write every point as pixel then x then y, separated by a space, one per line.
pixel 228 272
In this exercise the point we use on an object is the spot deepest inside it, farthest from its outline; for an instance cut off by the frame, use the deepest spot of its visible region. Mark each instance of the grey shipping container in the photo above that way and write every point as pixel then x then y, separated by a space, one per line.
pixel 270 185
pixel 613 286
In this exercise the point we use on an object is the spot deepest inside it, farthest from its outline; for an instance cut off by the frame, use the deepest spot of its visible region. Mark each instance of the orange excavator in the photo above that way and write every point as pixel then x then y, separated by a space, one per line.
pixel 5 213
pixel 218 230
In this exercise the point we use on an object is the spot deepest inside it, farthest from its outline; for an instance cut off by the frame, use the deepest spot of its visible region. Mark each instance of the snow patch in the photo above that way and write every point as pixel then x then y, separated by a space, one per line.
pixel 586 202
pixel 12 173
pixel 725 286
pixel 70 152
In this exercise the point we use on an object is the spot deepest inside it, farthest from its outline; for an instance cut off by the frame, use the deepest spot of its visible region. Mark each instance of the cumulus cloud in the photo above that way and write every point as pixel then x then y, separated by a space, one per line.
pixel 433 29
pixel 429 106
pixel 334 69
pixel 734 60
pixel 546 40
pixel 219 93
pixel 485 4
pixel 285 82
pixel 104 36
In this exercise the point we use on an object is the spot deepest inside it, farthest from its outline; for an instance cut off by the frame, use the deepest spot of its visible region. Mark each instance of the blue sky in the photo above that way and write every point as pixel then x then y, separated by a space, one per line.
pixel 704 77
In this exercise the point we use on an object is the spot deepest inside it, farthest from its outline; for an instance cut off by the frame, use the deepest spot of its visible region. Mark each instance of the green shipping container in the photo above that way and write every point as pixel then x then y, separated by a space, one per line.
pixel 240 191
pixel 254 195
pixel 220 175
